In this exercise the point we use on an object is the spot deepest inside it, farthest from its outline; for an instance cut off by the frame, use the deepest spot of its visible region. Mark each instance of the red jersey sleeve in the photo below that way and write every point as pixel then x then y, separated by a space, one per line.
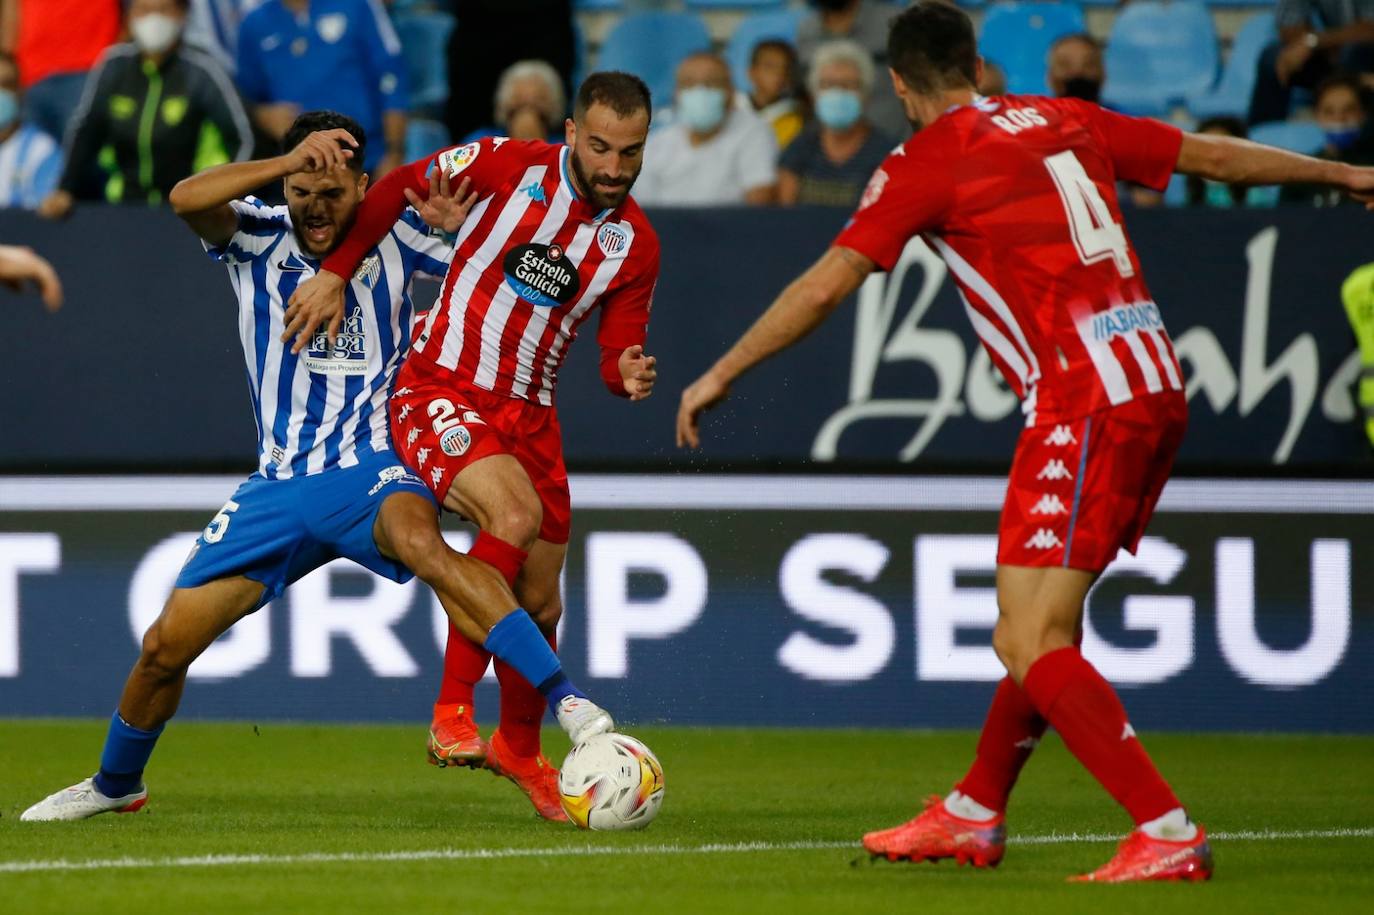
pixel 1143 150
pixel 625 313
pixel 907 195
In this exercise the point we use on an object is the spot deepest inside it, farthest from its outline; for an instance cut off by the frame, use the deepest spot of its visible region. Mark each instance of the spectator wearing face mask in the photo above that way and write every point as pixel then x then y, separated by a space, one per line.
pixel 153 112
pixel 773 92
pixel 30 161
pixel 55 43
pixel 1342 109
pixel 1203 192
pixel 529 104
pixel 831 162
pixel 1074 68
pixel 714 153
pixel 865 23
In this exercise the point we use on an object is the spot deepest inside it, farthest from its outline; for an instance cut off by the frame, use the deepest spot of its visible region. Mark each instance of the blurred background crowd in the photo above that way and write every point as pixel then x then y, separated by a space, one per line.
pixel 757 102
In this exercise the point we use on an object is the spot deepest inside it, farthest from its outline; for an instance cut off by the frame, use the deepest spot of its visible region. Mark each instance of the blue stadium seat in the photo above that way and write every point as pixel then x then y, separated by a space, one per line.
pixel 1232 94
pixel 424 137
pixel 1017 36
pixel 424 44
pixel 753 29
pixel 651 45
pixel 1159 54
pixel 580 5
pixel 1295 136
pixel 735 4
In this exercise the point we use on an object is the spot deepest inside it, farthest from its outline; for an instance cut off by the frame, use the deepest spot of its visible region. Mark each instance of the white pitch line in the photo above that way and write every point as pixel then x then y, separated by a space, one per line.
pixel 586 851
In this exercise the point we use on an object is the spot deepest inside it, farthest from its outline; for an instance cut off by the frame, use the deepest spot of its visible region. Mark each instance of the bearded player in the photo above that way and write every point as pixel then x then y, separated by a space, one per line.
pixel 1017 194
pixel 553 235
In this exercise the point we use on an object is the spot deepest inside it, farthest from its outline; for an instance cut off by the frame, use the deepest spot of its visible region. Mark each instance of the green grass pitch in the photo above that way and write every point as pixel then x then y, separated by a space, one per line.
pixel 349 818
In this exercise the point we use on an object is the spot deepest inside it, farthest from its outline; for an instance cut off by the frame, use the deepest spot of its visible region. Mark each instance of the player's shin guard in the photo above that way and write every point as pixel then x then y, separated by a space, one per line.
pixel 1010 733
pixel 518 641
pixel 522 709
pixel 1085 710
pixel 126 754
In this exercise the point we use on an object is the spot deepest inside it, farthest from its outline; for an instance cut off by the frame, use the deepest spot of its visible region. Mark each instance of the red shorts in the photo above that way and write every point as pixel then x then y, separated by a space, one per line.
pixel 440 425
pixel 1080 491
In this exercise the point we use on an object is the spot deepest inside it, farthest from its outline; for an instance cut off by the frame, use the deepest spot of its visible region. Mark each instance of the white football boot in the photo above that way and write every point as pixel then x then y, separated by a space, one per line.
pixel 583 718
pixel 81 801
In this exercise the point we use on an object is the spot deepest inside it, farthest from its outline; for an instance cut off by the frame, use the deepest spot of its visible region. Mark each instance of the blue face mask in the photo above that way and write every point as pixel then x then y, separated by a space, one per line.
pixel 701 108
pixel 1342 138
pixel 839 109
pixel 9 108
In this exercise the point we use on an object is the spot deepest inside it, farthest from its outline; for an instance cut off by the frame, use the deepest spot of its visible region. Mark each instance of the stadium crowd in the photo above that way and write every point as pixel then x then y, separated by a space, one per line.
pixel 117 100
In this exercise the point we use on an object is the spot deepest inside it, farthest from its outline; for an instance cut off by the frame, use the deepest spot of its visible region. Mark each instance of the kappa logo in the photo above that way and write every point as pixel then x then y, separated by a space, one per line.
pixel 535 191
pixel 1043 539
pixel 405 411
pixel 1054 470
pixel 1127 732
pixel 369 271
pixel 402 392
pixel 412 436
pixel 1060 437
pixel 612 238
pixel 437 474
pixel 1049 504
pixel 456 441
pixel 421 456
pixel 393 474
pixel 454 161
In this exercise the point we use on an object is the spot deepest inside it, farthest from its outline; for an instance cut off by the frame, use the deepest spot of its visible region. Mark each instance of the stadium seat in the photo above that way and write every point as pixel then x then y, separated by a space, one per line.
pixel 1294 136
pixel 1017 36
pixel 597 5
pixel 424 43
pixel 753 29
pixel 1232 93
pixel 651 45
pixel 735 4
pixel 1159 54
pixel 424 137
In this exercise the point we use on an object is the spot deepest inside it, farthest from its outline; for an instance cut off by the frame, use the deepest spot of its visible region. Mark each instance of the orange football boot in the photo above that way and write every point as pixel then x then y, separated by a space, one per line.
pixel 454 739
pixel 936 833
pixel 534 775
pixel 1140 857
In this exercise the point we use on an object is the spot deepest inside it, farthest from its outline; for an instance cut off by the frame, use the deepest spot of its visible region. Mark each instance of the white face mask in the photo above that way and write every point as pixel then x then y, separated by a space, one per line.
pixel 155 33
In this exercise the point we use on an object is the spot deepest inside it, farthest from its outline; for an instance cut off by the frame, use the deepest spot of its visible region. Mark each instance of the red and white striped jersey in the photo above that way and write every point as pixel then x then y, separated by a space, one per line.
pixel 532 261
pixel 1018 196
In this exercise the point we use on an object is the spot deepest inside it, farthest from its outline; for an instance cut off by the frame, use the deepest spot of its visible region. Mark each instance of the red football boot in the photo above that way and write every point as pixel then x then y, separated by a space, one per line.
pixel 454 739
pixel 936 833
pixel 1140 857
pixel 534 775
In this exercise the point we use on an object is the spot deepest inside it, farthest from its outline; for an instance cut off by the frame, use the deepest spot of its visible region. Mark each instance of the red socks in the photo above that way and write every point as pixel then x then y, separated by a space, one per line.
pixel 1086 712
pixel 522 708
pixel 1012 729
pixel 464 661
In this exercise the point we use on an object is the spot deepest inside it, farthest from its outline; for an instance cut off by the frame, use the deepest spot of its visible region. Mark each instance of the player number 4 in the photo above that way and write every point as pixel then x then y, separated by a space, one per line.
pixel 219 525
pixel 1096 236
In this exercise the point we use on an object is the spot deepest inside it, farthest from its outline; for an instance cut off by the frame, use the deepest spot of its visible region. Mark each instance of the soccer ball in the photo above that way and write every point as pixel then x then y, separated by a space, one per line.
pixel 611 781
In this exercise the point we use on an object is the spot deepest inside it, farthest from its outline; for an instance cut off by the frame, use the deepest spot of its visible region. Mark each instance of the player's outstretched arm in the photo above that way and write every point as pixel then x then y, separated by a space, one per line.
pixel 20 266
pixel 203 199
pixel 800 309
pixel 1236 161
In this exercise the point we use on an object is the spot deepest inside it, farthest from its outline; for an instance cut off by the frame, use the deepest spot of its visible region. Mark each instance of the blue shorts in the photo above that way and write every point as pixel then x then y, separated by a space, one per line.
pixel 275 531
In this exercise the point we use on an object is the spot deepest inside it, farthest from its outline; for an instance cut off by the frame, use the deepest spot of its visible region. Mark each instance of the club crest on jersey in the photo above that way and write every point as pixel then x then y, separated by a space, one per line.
pixel 454 161
pixel 348 355
pixel 369 271
pixel 332 27
pixel 456 441
pixel 612 238
pixel 542 275
pixel 874 190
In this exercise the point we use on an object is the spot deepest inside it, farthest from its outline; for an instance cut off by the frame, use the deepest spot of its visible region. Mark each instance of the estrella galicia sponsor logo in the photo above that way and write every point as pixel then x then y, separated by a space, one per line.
pixel 535 191
pixel 456 441
pixel 612 238
pixel 1125 319
pixel 393 474
pixel 541 275
pixel 348 355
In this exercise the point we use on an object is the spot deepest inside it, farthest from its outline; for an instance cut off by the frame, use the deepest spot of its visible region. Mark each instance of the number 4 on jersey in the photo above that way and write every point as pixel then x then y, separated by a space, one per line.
pixel 1095 235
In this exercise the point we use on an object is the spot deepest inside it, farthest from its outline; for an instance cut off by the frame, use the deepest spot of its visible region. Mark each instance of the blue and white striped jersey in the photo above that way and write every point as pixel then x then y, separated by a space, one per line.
pixel 323 407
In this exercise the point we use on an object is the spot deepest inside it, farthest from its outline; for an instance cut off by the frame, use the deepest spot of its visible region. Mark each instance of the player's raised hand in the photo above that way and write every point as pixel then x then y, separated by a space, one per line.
pixel 322 151
pixel 20 265
pixel 637 372
pixel 701 395
pixel 319 301
pixel 446 207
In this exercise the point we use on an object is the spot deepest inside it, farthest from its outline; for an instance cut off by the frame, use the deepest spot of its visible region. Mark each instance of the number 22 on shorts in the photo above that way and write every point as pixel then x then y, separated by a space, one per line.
pixel 443 412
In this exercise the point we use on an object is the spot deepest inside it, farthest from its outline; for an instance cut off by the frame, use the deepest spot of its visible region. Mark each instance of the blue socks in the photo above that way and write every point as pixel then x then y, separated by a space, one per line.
pixel 518 641
pixel 126 754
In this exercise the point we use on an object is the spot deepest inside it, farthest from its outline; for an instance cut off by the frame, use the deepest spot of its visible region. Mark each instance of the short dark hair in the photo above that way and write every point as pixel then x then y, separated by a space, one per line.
pixel 624 93
pixel 1081 37
pixel 311 121
pixel 1342 80
pixel 932 48
pixel 774 44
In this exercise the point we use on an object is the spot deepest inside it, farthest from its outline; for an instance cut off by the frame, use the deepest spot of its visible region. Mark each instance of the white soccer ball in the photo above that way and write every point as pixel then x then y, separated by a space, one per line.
pixel 611 781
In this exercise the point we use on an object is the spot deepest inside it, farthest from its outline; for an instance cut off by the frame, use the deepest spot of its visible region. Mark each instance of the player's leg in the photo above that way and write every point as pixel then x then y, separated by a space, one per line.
pixel 190 621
